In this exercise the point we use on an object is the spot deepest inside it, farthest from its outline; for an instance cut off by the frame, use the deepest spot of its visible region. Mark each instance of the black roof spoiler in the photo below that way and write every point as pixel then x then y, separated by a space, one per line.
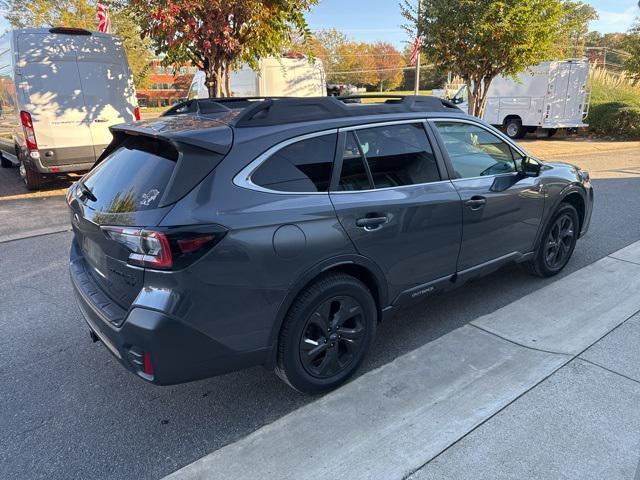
pixel 201 137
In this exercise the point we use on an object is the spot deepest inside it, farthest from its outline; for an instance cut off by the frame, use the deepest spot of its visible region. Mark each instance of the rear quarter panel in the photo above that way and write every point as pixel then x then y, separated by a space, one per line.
pixel 273 241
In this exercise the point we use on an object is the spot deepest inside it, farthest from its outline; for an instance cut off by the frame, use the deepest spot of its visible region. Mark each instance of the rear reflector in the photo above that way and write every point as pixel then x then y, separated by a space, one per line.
pixel 29 133
pixel 136 113
pixel 147 366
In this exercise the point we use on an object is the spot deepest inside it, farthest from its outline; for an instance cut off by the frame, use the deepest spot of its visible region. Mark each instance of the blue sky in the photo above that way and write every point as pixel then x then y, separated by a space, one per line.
pixel 371 20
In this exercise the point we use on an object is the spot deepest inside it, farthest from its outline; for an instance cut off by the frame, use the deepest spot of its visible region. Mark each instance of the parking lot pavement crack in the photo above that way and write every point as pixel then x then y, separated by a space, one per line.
pixel 564 354
pixel 623 260
pixel 609 370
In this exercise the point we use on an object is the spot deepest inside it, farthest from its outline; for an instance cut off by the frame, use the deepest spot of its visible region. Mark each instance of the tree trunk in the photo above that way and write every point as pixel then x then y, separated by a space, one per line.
pixel 213 78
pixel 478 88
pixel 212 82
pixel 227 81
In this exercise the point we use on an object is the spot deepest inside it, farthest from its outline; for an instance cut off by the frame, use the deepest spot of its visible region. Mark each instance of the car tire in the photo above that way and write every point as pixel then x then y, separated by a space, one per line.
pixel 4 162
pixel 557 243
pixel 514 129
pixel 319 347
pixel 33 180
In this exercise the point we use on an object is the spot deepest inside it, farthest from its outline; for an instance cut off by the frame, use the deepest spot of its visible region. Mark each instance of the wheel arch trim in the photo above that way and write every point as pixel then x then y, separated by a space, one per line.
pixel 335 263
pixel 570 189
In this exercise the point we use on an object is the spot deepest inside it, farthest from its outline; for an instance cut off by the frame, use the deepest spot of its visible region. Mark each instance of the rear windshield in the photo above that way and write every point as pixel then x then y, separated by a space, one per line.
pixel 133 178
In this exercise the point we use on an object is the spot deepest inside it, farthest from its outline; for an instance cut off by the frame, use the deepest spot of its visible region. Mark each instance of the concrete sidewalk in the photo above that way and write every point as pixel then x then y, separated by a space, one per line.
pixel 546 387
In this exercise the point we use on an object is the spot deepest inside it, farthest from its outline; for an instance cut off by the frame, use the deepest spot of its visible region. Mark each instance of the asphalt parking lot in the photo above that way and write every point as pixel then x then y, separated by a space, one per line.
pixel 68 410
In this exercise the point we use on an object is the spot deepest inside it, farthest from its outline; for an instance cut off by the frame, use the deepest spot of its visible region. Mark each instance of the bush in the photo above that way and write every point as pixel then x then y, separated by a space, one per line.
pixel 614 118
pixel 615 106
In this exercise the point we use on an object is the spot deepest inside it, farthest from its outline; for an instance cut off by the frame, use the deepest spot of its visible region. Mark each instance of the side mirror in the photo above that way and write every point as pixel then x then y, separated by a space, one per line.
pixel 529 167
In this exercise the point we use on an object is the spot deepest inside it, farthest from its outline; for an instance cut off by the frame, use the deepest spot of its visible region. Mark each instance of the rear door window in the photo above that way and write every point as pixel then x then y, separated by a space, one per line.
pixel 394 156
pixel 133 178
pixel 303 166
pixel 354 175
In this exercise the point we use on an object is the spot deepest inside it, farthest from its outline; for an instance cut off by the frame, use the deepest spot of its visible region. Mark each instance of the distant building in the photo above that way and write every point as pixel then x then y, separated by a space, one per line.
pixel 166 85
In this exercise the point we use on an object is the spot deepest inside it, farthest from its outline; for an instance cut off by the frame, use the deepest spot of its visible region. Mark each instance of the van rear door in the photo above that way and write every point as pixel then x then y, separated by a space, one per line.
pixel 53 92
pixel 107 86
pixel 558 86
pixel 576 92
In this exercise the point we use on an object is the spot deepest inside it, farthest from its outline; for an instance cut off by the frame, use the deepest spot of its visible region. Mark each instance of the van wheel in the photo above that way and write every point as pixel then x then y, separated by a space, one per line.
pixel 514 129
pixel 5 162
pixel 557 244
pixel 33 180
pixel 326 334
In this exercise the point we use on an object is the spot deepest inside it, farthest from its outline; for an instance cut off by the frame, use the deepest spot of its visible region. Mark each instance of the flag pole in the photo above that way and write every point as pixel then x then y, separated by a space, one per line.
pixel 416 89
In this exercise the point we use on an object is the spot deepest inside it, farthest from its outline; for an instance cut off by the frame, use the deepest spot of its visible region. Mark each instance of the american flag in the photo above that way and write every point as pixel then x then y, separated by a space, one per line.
pixel 417 44
pixel 104 24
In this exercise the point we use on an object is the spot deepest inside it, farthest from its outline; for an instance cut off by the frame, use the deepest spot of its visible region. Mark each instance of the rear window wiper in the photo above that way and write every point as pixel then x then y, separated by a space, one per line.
pixel 86 191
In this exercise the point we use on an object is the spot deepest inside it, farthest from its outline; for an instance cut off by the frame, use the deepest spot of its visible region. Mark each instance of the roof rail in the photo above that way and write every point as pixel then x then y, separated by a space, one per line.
pixel 276 111
pixel 265 111
pixel 197 106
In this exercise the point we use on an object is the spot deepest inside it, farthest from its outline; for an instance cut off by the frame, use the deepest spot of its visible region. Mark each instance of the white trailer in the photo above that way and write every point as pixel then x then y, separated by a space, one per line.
pixel 60 90
pixel 543 99
pixel 275 77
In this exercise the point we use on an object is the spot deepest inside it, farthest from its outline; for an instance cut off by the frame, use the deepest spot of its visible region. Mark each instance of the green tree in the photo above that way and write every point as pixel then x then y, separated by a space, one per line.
pixel 83 14
pixel 631 45
pixel 480 39
pixel 217 35
pixel 574 28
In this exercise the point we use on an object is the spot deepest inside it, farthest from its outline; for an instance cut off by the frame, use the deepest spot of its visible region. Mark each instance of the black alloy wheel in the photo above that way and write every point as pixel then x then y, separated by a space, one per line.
pixel 559 242
pixel 326 333
pixel 333 337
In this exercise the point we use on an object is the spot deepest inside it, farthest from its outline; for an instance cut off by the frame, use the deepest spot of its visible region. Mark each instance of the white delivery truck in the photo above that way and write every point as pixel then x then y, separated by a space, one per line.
pixel 275 77
pixel 542 99
pixel 61 89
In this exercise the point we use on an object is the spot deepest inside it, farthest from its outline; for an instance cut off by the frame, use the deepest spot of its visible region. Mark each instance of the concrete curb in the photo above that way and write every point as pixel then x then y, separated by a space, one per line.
pixel 393 420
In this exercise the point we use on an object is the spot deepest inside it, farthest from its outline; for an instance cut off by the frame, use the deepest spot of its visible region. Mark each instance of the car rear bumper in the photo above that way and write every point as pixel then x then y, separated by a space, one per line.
pixel 63 160
pixel 178 352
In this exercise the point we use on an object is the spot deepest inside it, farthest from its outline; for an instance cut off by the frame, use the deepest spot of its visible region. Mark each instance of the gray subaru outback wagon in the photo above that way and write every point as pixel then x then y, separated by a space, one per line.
pixel 237 232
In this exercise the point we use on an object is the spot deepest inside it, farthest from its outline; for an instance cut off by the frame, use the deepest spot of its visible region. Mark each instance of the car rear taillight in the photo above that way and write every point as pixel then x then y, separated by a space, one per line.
pixel 136 113
pixel 166 249
pixel 29 133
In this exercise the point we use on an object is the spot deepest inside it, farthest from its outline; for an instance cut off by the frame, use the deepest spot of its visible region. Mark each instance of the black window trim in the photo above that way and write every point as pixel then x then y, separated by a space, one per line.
pixel 337 169
pixel 495 132
pixel 243 177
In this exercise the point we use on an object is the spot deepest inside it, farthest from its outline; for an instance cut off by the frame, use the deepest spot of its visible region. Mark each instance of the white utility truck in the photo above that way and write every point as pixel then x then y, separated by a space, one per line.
pixel 60 90
pixel 542 99
pixel 275 77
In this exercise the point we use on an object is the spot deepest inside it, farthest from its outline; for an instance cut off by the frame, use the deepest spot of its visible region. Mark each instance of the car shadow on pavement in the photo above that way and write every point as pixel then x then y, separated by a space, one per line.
pixel 13 188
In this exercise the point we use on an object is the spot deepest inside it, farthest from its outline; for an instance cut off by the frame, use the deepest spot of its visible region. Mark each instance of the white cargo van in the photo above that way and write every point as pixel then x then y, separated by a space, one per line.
pixel 544 98
pixel 275 77
pixel 61 89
